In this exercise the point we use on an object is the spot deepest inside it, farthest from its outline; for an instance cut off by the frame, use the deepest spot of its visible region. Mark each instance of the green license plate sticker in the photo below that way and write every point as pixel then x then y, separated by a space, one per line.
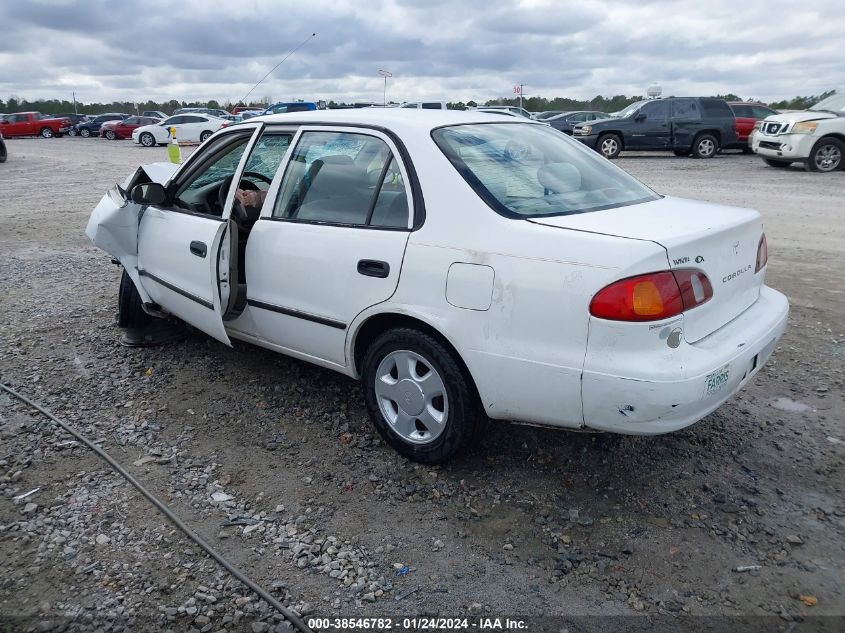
pixel 717 380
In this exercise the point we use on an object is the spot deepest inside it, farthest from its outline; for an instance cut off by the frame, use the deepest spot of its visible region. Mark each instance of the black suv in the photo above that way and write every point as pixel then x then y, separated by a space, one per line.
pixel 686 125
pixel 92 127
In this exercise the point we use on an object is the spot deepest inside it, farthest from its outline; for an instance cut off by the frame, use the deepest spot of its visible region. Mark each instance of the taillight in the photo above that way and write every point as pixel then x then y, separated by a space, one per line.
pixel 762 254
pixel 652 297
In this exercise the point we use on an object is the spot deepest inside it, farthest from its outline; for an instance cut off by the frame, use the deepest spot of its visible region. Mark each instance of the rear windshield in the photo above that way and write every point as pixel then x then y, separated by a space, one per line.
pixel 526 170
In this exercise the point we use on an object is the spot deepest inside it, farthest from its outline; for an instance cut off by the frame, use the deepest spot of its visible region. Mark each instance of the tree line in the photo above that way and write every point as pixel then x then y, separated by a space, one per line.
pixel 532 104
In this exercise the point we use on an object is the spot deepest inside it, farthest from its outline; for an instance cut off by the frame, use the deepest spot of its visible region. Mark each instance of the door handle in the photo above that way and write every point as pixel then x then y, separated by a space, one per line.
pixel 199 248
pixel 373 268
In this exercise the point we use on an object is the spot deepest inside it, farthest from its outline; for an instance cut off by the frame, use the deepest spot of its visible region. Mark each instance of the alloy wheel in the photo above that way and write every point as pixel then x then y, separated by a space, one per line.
pixel 828 157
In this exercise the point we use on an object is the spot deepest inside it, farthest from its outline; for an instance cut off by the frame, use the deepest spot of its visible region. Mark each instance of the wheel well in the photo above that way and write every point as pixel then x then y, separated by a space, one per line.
pixel 715 133
pixel 838 137
pixel 376 325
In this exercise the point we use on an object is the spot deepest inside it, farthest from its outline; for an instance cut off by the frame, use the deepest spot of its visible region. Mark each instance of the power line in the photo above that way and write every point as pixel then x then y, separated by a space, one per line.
pixel 243 100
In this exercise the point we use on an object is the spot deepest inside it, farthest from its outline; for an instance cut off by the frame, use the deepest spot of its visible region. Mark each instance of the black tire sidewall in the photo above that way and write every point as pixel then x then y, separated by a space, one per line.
pixel 129 305
pixel 464 415
pixel 204 136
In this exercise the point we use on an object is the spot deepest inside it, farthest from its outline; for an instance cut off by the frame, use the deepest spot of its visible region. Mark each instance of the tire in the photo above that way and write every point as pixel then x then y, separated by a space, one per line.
pixel 204 136
pixel 147 140
pixel 110 135
pixel 2 152
pixel 609 145
pixel 826 155
pixel 130 311
pixel 85 132
pixel 777 164
pixel 435 390
pixel 47 132
pixel 72 132
pixel 681 152
pixel 705 146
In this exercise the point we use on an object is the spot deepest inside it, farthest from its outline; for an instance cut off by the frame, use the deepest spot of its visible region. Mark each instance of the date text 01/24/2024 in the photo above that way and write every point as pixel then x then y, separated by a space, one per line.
pixel 416 624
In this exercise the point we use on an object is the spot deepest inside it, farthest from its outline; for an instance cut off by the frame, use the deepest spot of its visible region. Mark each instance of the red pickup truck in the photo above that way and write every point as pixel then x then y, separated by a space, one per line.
pixel 33 124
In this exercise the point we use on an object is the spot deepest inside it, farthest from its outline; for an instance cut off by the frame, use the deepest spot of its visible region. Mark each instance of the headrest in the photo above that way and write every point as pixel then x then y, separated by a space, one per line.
pixel 559 177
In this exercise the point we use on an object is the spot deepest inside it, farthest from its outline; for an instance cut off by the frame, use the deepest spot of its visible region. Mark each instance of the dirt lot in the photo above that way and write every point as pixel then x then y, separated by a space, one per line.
pixel 274 462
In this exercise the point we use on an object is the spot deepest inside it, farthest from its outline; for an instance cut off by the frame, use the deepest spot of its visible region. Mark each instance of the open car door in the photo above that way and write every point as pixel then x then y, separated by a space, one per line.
pixel 185 243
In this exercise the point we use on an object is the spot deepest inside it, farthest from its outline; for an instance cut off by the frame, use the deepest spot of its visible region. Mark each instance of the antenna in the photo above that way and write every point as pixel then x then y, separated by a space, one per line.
pixel 243 99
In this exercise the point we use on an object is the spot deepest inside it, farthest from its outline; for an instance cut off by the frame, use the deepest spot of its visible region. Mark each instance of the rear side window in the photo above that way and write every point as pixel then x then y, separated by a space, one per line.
pixel 716 108
pixel 686 109
pixel 742 111
pixel 343 178
pixel 431 106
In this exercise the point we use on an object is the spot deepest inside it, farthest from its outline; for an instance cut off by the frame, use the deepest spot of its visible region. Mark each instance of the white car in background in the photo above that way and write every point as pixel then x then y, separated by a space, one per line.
pixel 189 128
pixel 462 265
pixel 814 137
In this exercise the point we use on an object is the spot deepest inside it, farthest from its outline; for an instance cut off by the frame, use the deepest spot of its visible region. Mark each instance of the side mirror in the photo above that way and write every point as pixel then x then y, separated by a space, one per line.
pixel 639 118
pixel 149 193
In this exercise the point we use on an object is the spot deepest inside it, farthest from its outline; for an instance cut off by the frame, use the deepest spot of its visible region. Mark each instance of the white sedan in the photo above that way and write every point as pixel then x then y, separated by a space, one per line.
pixel 189 128
pixel 462 265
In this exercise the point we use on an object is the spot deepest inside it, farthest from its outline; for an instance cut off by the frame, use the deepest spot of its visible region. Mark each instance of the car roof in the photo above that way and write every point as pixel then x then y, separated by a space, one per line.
pixel 400 120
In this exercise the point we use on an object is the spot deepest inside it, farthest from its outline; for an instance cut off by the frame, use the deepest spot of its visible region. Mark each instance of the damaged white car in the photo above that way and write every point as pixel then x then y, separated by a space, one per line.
pixel 461 265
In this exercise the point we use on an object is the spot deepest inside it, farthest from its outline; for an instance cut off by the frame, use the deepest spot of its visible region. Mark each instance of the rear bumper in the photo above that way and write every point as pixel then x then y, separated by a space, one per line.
pixel 634 395
pixel 784 147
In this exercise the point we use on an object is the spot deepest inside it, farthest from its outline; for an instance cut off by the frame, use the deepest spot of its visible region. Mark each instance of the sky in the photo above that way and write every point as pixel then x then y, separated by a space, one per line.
pixel 134 50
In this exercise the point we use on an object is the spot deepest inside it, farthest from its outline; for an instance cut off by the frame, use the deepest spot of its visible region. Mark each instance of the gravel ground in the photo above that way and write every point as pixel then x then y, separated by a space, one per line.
pixel 274 462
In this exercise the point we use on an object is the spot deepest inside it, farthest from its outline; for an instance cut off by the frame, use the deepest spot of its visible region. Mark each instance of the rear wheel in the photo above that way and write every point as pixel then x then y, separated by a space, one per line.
pixel 72 132
pixel 705 146
pixel 85 132
pixel 826 155
pixel 2 151
pixel 777 164
pixel 110 134
pixel 204 136
pixel 419 397
pixel 47 132
pixel 147 140
pixel 609 145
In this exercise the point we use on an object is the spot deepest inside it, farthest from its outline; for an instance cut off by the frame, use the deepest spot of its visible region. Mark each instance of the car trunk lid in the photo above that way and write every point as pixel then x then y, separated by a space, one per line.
pixel 721 241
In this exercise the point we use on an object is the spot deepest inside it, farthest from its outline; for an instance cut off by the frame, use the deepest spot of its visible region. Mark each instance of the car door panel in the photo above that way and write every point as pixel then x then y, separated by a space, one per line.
pixel 305 286
pixel 175 273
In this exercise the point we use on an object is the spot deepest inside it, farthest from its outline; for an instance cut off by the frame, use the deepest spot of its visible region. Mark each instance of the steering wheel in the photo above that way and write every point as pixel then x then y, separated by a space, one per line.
pixel 239 213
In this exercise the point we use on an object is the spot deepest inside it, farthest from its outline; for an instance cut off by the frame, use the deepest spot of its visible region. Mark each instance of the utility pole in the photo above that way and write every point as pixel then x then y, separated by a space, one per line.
pixel 74 103
pixel 521 86
pixel 385 74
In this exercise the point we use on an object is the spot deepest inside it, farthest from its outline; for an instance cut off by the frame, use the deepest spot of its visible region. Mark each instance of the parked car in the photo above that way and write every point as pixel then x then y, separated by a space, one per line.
pixel 155 114
pixel 515 109
pixel 548 114
pixel 448 318
pixel 814 137
pixel 123 128
pixel 747 115
pixel 190 127
pixel 33 124
pixel 568 120
pixel 242 109
pixel 248 114
pixel 296 106
pixel 210 111
pixel 686 125
pixel 92 127
pixel 3 154
pixel 426 105
pixel 499 112
pixel 75 118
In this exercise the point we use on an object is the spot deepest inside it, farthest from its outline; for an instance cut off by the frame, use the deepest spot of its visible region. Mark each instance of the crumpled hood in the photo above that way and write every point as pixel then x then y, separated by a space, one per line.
pixel 798 117
pixel 156 172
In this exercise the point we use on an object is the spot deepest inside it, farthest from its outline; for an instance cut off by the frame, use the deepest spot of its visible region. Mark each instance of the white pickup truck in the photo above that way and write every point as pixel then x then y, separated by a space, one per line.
pixel 815 137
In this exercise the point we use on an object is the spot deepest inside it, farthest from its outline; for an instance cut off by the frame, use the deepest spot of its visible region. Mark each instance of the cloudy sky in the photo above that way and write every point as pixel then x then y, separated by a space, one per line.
pixel 436 49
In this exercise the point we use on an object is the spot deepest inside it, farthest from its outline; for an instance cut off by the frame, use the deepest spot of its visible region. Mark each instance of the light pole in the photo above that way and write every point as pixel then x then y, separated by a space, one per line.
pixel 385 74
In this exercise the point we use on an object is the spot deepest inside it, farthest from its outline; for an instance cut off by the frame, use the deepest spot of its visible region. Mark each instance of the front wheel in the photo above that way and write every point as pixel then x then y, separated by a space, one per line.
pixel 204 136
pixel 72 132
pixel 85 132
pixel 419 397
pixel 147 140
pixel 2 151
pixel 609 145
pixel 826 155
pixel 110 135
pixel 47 132
pixel 705 146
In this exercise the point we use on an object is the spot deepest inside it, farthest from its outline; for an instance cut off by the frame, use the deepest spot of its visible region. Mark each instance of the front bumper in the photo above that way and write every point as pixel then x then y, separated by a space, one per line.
pixel 784 147
pixel 623 392
pixel 589 140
